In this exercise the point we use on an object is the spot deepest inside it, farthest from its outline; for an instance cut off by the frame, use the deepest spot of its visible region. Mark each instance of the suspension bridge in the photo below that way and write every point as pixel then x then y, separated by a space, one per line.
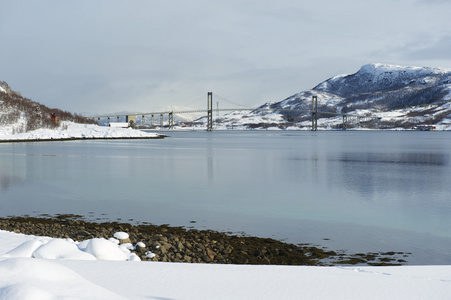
pixel 131 118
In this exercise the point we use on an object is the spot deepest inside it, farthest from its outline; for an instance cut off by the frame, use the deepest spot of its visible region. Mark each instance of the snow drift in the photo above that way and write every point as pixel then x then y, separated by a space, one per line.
pixel 62 277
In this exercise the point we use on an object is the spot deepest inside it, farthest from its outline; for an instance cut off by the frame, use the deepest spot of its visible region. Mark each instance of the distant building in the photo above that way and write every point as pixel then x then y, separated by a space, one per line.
pixel 119 124
pixel 54 117
pixel 424 127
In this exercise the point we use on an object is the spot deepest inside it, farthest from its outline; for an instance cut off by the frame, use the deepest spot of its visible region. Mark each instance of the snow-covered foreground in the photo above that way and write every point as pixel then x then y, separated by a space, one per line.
pixel 69 130
pixel 25 277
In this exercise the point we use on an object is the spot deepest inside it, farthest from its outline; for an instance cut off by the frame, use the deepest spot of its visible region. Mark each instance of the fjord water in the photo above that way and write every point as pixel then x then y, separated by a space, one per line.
pixel 354 191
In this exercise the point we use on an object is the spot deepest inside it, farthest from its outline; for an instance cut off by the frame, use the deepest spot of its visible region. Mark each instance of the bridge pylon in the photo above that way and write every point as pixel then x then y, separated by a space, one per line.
pixel 210 111
pixel 314 113
pixel 345 122
pixel 171 120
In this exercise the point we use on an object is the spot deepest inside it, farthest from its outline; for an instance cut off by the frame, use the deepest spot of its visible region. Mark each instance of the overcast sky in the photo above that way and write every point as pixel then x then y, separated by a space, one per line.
pixel 102 56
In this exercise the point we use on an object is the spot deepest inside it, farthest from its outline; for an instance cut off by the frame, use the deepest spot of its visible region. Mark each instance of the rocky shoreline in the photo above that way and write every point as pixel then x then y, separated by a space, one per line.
pixel 177 244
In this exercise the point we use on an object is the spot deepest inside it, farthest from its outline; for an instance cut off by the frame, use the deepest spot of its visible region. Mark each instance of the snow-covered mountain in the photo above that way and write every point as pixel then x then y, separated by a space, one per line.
pixel 382 96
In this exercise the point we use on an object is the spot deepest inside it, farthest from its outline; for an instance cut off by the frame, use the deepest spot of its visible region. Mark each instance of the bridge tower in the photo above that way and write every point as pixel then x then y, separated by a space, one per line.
pixel 209 111
pixel 345 122
pixel 314 113
pixel 171 120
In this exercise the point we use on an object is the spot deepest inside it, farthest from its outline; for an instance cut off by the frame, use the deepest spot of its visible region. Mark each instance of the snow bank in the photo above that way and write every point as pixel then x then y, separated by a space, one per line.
pixel 32 278
pixel 69 130
pixel 92 249
pixel 105 250
pixel 121 235
pixel 42 279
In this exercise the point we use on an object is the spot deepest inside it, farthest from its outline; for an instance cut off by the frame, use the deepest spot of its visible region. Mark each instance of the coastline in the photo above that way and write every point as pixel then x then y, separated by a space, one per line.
pixel 69 131
pixel 81 138
pixel 178 244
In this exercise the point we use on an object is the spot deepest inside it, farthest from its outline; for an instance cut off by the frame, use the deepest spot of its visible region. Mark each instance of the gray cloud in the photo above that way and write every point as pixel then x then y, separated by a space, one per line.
pixel 427 2
pixel 436 50
pixel 107 55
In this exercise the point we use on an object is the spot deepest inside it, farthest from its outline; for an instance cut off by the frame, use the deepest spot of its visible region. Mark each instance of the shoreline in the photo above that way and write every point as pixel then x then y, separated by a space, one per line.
pixel 178 244
pixel 160 136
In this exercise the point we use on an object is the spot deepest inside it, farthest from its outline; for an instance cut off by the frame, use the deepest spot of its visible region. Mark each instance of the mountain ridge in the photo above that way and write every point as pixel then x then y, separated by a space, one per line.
pixel 415 95
pixel 385 96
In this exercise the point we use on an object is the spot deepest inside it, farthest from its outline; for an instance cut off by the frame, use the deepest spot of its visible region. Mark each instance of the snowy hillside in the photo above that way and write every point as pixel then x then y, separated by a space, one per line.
pixel 23 119
pixel 378 96
pixel 22 115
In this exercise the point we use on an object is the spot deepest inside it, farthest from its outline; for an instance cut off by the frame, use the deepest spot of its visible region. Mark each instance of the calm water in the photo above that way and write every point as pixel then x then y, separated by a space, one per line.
pixel 360 191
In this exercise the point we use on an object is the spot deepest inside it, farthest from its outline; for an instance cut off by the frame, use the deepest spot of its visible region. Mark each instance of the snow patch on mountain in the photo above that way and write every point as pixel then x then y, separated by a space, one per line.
pixel 377 96
pixel 373 78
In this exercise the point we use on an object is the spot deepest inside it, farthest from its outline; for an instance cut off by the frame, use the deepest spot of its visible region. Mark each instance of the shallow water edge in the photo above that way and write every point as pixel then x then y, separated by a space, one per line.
pixel 178 244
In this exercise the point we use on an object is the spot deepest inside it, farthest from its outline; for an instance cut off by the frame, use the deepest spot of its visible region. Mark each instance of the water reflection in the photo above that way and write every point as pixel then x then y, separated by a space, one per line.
pixel 399 173
pixel 10 173
pixel 424 158
pixel 6 181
